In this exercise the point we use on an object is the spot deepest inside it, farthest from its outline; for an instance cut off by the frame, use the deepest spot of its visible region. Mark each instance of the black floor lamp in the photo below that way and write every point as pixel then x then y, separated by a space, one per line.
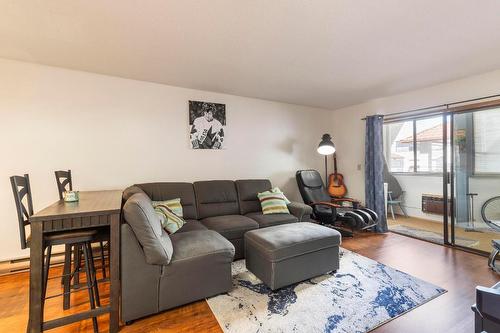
pixel 326 147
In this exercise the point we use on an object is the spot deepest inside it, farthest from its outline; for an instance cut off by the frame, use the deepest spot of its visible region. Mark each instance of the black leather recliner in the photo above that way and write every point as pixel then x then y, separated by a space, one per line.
pixel 330 211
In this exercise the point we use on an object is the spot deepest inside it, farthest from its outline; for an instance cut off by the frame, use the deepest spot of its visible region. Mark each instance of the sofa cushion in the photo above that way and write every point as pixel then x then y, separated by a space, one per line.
pixel 216 197
pixel 192 225
pixel 269 220
pixel 230 226
pixel 247 194
pixel 200 243
pixel 141 216
pixel 167 191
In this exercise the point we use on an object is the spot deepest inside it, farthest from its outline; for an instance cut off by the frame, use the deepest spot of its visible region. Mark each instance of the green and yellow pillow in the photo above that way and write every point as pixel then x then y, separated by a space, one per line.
pixel 174 205
pixel 276 190
pixel 170 213
pixel 273 202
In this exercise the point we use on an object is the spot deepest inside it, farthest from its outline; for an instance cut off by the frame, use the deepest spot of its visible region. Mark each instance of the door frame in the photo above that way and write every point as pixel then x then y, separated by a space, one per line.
pixel 449 176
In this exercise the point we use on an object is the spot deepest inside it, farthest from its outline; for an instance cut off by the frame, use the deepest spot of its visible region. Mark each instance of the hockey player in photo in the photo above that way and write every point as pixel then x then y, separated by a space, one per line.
pixel 206 131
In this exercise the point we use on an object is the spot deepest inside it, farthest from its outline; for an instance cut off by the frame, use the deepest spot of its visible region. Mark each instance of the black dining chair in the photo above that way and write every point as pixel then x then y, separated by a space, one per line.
pixel 64 183
pixel 24 206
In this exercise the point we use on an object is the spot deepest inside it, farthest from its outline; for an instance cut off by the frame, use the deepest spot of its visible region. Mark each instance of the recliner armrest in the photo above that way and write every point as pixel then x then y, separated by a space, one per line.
pixel 355 203
pixel 345 200
pixel 300 210
pixel 324 203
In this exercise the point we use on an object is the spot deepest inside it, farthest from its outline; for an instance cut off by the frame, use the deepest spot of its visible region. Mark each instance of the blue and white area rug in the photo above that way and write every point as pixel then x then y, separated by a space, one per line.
pixel 362 295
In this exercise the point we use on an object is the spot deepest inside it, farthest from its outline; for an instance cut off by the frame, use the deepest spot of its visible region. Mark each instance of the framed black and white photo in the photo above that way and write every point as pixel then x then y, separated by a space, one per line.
pixel 207 125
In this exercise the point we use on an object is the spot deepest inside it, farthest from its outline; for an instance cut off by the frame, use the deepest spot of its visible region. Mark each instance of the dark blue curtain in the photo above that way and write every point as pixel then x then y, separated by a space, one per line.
pixel 374 169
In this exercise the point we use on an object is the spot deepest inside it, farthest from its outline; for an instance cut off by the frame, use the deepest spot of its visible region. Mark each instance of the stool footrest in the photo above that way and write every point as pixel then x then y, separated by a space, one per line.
pixel 69 292
pixel 76 317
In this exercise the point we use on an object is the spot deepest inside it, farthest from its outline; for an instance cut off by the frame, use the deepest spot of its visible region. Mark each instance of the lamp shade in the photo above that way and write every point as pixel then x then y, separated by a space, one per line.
pixel 326 146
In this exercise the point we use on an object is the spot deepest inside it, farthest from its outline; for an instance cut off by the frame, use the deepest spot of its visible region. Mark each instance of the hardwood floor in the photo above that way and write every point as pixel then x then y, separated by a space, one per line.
pixel 457 271
pixel 482 237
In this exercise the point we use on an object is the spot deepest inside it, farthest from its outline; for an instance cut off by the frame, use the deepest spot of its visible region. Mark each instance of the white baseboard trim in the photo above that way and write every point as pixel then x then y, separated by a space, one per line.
pixel 22 264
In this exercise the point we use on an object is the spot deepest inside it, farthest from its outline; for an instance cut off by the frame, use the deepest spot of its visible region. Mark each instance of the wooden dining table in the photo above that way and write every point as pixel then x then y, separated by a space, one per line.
pixel 95 209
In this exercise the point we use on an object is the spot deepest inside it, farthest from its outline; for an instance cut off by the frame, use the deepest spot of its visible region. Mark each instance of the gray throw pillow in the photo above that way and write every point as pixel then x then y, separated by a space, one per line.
pixel 141 216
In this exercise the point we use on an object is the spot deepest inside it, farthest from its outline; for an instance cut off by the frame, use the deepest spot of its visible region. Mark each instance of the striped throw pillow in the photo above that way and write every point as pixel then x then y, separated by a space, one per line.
pixel 272 203
pixel 278 191
pixel 170 221
pixel 174 205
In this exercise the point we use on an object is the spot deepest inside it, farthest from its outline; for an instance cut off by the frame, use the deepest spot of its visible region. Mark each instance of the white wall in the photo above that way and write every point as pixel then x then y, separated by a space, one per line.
pixel 486 187
pixel 348 130
pixel 414 187
pixel 113 132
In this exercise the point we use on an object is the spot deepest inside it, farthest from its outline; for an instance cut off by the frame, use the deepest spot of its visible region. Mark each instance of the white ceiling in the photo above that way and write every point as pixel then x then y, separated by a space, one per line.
pixel 325 53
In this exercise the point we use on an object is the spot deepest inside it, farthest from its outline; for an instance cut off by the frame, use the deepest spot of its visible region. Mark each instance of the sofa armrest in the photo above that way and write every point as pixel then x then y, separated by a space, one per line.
pixel 139 280
pixel 300 211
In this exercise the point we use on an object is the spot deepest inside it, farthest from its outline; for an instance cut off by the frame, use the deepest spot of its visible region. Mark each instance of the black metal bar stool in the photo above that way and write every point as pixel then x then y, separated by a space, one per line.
pixel 65 183
pixel 22 192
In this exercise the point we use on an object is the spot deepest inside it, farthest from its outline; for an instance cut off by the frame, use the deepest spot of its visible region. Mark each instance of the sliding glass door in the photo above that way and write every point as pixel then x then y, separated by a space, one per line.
pixel 414 152
pixel 476 179
pixel 443 177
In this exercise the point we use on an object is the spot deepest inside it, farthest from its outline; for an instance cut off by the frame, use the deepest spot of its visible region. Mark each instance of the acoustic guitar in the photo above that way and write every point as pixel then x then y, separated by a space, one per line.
pixel 336 186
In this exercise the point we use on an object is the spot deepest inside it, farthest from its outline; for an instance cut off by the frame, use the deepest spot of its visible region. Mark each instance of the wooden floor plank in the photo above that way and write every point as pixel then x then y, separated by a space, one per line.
pixel 482 236
pixel 457 271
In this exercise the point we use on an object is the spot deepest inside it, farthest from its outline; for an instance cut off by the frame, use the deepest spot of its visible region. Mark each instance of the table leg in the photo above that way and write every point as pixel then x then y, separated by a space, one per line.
pixel 36 273
pixel 114 267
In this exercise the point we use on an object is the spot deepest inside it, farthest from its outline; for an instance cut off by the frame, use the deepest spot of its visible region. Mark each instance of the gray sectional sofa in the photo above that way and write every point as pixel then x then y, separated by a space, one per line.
pixel 161 271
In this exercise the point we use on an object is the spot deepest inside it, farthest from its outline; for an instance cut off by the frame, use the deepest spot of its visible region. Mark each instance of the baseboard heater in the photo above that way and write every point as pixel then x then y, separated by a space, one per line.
pixel 434 204
pixel 23 264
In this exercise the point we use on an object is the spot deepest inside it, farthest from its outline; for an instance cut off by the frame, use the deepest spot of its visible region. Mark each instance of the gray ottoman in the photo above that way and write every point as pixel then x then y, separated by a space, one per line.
pixel 290 253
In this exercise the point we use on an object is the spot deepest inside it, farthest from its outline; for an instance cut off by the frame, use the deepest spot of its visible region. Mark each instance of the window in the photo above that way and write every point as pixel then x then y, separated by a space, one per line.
pixel 415 145
pixel 487 141
pixel 429 144
pixel 398 146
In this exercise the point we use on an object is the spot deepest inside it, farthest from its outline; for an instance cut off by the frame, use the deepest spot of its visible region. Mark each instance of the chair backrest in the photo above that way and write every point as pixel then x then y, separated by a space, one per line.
pixel 311 186
pixel 392 183
pixel 21 189
pixel 63 179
